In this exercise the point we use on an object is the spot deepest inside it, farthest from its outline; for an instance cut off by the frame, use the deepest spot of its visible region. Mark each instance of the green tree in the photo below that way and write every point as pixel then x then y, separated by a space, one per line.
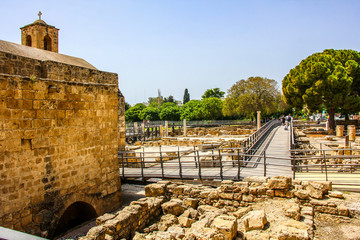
pixel 154 101
pixel 168 104
pixel 150 113
pixel 127 106
pixel 213 92
pixel 330 80
pixel 191 110
pixel 169 99
pixel 170 111
pixel 211 108
pixel 186 97
pixel 246 97
pixel 133 113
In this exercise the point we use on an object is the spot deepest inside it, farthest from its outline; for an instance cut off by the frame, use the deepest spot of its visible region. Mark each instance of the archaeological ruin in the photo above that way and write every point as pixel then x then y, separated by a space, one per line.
pixel 63 153
pixel 62 124
pixel 256 208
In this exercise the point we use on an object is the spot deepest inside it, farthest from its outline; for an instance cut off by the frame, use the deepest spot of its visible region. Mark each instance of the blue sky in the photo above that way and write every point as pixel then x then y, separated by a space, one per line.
pixel 196 44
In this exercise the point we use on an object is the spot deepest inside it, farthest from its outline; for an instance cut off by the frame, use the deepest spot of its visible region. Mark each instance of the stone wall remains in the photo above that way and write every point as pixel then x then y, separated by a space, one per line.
pixel 205 212
pixel 59 139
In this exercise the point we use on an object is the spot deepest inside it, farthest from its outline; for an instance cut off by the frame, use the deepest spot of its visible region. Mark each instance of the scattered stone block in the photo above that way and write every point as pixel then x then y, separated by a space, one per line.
pixel 241 212
pixel 256 179
pixel 317 189
pixel 292 211
pixel 336 194
pixel 185 221
pixel 166 221
pixel 226 225
pixel 279 182
pixel 255 220
pixel 292 229
pixel 155 190
pixel 176 232
pixel 302 194
pixel 190 202
pixel 173 207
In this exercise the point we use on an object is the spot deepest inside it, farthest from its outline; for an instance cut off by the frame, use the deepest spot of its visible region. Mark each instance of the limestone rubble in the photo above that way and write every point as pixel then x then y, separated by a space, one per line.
pixel 258 208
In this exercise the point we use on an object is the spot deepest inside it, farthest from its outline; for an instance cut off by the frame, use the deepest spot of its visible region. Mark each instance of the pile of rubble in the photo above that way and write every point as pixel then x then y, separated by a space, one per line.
pixel 257 208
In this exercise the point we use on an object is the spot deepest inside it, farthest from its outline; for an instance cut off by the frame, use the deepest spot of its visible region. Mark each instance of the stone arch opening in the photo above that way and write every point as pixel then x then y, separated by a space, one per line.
pixel 47 43
pixel 76 214
pixel 28 40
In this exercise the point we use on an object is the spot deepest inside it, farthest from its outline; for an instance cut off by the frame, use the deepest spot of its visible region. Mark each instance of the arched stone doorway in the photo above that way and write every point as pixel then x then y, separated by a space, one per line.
pixel 74 215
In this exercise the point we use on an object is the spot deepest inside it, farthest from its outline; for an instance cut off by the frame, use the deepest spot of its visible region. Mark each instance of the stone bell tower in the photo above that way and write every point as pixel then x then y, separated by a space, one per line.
pixel 40 35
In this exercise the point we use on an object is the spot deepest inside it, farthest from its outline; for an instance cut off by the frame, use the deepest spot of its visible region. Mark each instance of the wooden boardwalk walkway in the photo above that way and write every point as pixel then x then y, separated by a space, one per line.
pixel 277 162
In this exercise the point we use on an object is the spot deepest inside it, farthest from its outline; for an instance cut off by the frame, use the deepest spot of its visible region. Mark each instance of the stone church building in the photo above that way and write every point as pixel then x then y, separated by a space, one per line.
pixel 61 126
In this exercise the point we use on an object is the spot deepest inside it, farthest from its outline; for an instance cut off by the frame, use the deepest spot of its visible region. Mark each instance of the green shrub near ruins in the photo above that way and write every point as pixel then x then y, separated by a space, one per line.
pixel 150 113
pixel 133 113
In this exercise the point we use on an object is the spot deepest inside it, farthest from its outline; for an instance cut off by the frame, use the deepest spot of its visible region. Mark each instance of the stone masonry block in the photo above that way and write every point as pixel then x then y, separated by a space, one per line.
pixel 155 190
pixel 226 225
pixel 255 220
pixel 279 183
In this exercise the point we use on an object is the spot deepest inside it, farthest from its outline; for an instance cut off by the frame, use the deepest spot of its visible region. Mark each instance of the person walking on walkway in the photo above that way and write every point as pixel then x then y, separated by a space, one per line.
pixel 288 121
pixel 282 119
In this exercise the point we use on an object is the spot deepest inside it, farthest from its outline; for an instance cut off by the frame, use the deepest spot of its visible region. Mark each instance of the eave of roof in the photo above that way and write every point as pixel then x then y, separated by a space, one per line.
pixel 42 55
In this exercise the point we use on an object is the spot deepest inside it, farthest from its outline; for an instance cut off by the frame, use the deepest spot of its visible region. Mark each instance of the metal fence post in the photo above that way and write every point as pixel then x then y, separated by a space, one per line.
pixel 180 170
pixel 326 175
pixel 195 157
pixel 221 167
pixel 264 163
pixel 161 163
pixel 199 164
pixel 142 167
pixel 238 160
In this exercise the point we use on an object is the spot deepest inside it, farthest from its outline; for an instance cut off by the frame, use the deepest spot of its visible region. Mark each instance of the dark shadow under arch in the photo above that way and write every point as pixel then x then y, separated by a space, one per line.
pixel 47 43
pixel 28 40
pixel 74 215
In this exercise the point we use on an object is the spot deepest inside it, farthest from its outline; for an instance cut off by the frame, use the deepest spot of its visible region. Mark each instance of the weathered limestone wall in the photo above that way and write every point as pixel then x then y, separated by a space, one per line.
pixel 204 212
pixel 59 138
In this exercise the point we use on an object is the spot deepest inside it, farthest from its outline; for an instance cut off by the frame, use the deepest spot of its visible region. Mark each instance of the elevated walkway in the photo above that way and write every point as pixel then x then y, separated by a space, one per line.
pixel 271 157
pixel 276 152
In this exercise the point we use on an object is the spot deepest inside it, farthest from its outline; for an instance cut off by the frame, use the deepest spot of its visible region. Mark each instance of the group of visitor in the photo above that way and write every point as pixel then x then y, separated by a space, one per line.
pixel 285 121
